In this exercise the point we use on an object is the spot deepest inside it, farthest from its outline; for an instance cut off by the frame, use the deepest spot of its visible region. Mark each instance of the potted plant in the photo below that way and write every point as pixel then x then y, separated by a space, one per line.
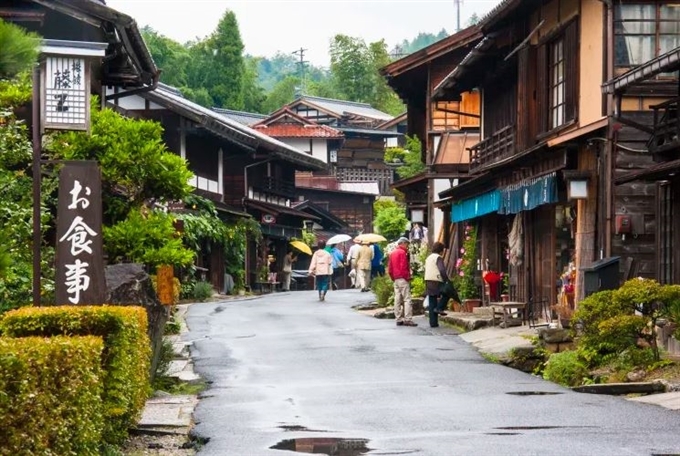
pixel 464 279
pixel 505 287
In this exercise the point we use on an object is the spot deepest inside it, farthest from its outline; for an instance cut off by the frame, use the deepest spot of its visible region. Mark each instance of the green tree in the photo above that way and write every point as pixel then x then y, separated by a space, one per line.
pixel 351 68
pixel 390 219
pixel 412 159
pixel 383 97
pixel 473 20
pixel 253 94
pixel 171 57
pixel 18 50
pixel 282 94
pixel 221 64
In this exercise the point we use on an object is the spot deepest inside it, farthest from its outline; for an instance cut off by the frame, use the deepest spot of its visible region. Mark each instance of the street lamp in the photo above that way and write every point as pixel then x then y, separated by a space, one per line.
pixel 577 183
pixel 61 101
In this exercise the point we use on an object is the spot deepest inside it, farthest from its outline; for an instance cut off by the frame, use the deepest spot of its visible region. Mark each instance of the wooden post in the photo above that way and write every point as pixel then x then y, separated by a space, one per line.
pixel 586 219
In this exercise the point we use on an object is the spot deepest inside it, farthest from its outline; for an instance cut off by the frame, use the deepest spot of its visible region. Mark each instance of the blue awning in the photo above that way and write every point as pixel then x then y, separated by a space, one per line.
pixel 528 194
pixel 475 207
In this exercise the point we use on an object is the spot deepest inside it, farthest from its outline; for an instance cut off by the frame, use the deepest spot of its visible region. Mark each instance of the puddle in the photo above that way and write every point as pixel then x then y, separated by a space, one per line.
pixel 324 445
pixel 502 433
pixel 533 393
pixel 297 428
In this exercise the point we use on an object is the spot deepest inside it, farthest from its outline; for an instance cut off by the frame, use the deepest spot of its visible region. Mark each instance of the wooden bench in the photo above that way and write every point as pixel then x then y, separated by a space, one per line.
pixel 505 311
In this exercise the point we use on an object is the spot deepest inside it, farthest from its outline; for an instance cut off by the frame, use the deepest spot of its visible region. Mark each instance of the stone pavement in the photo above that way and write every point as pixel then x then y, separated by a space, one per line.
pixel 167 414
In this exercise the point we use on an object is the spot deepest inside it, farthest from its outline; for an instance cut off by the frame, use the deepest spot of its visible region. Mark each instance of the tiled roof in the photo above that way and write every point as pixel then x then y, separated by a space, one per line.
pixel 291 130
pixel 331 183
pixel 242 117
pixel 342 107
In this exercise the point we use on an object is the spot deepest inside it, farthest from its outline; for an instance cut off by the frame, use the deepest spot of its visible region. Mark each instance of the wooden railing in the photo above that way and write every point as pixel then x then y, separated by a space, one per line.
pixel 666 128
pixel 274 186
pixel 496 147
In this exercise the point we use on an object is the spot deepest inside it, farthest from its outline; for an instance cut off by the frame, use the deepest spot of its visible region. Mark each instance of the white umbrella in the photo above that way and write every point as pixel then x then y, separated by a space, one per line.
pixel 338 238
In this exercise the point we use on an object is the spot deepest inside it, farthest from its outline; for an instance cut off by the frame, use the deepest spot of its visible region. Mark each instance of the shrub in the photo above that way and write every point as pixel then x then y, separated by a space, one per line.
pixel 566 368
pixel 417 287
pixel 203 291
pixel 383 287
pixel 125 360
pixel 50 395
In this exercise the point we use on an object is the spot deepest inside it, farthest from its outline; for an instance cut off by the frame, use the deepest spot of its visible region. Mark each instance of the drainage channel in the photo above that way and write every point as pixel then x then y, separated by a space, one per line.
pixel 325 445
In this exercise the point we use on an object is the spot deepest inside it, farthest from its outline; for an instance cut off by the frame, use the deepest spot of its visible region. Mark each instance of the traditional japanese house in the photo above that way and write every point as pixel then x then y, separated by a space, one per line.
pixel 242 117
pixel 245 172
pixel 319 141
pixel 445 128
pixel 539 190
pixel 397 125
pixel 646 125
pixel 351 202
pixel 361 156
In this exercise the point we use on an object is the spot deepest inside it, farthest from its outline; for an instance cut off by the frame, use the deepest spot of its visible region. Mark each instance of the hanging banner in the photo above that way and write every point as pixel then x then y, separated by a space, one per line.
pixel 528 194
pixel 476 207
pixel 80 266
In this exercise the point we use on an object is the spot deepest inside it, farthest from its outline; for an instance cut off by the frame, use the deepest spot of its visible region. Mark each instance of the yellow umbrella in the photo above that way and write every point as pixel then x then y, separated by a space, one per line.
pixel 301 246
pixel 370 237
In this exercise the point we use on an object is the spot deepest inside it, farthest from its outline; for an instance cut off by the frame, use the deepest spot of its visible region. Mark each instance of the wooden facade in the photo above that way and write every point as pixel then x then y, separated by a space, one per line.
pixel 245 173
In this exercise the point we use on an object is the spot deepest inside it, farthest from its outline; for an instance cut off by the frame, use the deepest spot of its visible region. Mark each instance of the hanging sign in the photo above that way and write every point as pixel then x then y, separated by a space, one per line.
pixel 80 266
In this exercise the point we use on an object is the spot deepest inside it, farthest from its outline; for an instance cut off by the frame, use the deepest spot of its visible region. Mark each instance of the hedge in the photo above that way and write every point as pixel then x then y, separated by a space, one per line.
pixel 50 395
pixel 125 359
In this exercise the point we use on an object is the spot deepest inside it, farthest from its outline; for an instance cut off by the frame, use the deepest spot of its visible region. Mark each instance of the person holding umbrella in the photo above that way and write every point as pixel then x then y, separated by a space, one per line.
pixel 321 267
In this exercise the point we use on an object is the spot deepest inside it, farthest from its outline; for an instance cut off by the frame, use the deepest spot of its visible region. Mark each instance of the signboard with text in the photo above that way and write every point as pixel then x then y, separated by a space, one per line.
pixel 80 266
pixel 66 89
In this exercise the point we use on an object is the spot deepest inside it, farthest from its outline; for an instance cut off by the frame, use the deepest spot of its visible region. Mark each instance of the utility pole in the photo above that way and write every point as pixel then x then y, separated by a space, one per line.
pixel 458 3
pixel 301 69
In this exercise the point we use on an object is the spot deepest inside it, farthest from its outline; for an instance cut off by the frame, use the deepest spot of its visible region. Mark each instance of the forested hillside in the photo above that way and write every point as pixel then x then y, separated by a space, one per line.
pixel 215 72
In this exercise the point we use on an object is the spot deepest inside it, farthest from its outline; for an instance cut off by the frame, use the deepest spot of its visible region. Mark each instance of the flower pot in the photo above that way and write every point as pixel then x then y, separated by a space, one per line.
pixel 469 304
pixel 505 298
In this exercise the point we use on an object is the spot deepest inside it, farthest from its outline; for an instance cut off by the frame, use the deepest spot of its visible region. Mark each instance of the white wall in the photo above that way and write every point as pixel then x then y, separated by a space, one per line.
pixel 439 186
pixel 319 146
pixel 132 102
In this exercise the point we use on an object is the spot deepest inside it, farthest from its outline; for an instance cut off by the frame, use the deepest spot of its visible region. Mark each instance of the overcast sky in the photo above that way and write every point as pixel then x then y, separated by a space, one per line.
pixel 268 26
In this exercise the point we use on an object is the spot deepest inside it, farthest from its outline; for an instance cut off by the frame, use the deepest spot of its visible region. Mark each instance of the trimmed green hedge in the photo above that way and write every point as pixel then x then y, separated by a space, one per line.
pixel 50 395
pixel 125 360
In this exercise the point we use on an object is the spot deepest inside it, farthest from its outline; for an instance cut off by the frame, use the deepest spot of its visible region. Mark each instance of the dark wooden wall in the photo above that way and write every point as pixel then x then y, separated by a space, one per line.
pixel 355 209
pixel 636 199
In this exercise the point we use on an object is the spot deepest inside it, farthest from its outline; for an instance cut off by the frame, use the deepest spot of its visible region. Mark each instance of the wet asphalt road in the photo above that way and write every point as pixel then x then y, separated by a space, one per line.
pixel 285 366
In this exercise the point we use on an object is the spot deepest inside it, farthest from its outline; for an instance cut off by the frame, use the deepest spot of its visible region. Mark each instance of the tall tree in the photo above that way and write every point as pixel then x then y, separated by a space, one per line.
pixel 18 49
pixel 351 67
pixel 171 57
pixel 383 97
pixel 220 59
pixel 253 93
pixel 474 19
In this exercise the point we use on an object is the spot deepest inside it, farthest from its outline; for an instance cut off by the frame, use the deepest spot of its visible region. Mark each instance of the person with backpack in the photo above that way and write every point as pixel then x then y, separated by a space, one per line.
pixel 438 287
pixel 321 267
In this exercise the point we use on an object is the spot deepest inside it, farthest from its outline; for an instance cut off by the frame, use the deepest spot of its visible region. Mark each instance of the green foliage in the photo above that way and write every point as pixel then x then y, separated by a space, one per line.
pixel 16 92
pixel 16 204
pixel 566 368
pixel 136 166
pixel 125 360
pixel 464 277
pixel 412 158
pixel 203 291
pixel 50 395
pixel 18 49
pixel 150 239
pixel 391 222
pixel 170 57
pixel 417 287
pixel 383 287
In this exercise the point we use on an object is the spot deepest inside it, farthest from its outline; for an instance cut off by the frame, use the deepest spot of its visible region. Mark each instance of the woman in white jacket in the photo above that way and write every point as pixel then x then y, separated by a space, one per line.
pixel 435 278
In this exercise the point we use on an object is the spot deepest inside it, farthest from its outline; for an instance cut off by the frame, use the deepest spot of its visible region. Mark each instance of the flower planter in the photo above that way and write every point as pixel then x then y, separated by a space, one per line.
pixel 505 298
pixel 470 304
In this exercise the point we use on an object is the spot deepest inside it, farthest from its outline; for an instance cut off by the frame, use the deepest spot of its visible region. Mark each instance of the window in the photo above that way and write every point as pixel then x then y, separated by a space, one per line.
pixel 644 31
pixel 557 83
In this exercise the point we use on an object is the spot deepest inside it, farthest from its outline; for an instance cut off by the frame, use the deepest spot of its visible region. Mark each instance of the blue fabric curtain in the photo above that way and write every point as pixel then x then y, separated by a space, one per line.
pixel 475 207
pixel 528 194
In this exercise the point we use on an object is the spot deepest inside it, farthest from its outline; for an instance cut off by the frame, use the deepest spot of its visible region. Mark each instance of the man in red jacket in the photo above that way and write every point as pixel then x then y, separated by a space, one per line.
pixel 399 269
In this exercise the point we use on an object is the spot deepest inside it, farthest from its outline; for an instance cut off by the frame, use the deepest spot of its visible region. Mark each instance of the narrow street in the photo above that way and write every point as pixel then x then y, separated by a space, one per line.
pixel 285 366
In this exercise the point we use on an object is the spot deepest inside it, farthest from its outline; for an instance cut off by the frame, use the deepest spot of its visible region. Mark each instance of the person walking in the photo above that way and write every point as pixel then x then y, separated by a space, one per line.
pixel 338 265
pixel 377 268
pixel 399 270
pixel 352 263
pixel 435 280
pixel 287 270
pixel 321 267
pixel 364 258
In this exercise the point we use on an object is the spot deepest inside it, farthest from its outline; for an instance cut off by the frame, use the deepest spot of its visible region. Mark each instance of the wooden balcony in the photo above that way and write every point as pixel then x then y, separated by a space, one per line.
pixel 664 143
pixel 492 149
pixel 273 186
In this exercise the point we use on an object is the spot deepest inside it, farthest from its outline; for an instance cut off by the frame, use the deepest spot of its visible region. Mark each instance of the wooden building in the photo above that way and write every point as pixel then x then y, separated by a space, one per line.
pixel 245 172
pixel 361 157
pixel 445 128
pixel 649 86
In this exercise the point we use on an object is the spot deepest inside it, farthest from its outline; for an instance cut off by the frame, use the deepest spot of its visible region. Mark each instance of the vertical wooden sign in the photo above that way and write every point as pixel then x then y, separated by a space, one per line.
pixel 79 257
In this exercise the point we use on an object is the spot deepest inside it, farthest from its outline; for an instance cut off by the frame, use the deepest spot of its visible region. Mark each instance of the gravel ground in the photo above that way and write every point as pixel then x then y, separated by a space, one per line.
pixel 158 445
